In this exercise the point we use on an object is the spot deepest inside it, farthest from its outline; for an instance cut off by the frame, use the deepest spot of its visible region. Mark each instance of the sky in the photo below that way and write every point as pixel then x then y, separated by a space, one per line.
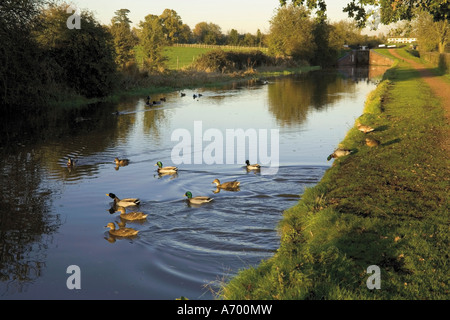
pixel 242 15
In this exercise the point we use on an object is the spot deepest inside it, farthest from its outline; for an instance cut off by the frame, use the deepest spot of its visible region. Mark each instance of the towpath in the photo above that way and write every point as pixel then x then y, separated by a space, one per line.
pixel 438 86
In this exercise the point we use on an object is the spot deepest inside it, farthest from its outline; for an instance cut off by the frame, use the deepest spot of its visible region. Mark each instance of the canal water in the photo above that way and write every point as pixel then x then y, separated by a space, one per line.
pixel 53 217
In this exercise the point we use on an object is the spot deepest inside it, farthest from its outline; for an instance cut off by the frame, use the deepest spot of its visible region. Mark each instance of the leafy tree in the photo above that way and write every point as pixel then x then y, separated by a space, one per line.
pixel 152 41
pixel 20 64
pixel 85 55
pixel 233 37
pixel 259 37
pixel 249 40
pixel 208 33
pixel 389 10
pixel 344 32
pixel 124 39
pixel 172 25
pixel 185 35
pixel 291 33
pixel 431 35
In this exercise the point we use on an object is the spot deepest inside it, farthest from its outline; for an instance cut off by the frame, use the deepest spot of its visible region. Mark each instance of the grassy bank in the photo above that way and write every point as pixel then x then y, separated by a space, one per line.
pixel 385 206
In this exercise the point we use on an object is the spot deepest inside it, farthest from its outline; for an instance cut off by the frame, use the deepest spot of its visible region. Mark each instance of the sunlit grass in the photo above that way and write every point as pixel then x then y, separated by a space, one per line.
pixel 385 206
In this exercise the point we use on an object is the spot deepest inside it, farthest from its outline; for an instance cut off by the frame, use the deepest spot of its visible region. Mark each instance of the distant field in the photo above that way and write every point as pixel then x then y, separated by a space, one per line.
pixel 182 56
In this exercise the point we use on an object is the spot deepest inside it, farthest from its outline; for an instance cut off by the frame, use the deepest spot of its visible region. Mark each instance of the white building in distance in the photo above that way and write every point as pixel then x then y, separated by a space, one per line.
pixel 401 40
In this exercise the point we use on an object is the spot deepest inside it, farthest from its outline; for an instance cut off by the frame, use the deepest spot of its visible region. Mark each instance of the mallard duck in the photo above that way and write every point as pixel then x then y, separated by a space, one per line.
pixel 124 202
pixel 371 142
pixel 198 199
pixel 227 185
pixel 339 153
pixel 365 129
pixel 162 169
pixel 182 94
pixel 134 215
pixel 121 162
pixel 121 232
pixel 71 162
pixel 252 166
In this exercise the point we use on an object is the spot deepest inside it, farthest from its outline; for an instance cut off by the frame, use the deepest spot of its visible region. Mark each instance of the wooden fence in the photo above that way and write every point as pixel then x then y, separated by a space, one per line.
pixel 214 46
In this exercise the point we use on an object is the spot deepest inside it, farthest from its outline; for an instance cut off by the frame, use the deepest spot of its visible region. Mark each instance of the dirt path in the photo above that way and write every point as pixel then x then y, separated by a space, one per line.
pixel 438 86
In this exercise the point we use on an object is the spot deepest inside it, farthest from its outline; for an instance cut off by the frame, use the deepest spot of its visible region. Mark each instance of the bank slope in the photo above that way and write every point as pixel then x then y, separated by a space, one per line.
pixel 384 206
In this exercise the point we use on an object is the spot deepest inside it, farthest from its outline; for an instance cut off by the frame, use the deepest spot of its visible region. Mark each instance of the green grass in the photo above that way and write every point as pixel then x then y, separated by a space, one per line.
pixel 180 57
pixel 385 206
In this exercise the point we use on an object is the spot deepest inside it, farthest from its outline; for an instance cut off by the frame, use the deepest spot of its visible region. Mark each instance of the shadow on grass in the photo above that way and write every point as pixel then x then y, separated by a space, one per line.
pixel 391 142
pixel 381 128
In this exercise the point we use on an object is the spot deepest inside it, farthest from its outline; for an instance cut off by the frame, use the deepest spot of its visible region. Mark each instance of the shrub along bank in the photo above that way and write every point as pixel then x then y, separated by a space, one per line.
pixel 385 206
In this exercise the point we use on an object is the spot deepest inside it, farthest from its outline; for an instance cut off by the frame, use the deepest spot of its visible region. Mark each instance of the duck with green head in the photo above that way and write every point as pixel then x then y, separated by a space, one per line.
pixel 198 199
pixel 162 169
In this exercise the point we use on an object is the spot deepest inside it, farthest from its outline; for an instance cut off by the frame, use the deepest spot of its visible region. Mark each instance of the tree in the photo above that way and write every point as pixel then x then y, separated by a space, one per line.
pixel 185 35
pixel 172 25
pixel 259 38
pixel 388 10
pixel 233 37
pixel 431 35
pixel 21 69
pixel 249 40
pixel 291 33
pixel 83 57
pixel 152 41
pixel 124 39
pixel 344 32
pixel 208 33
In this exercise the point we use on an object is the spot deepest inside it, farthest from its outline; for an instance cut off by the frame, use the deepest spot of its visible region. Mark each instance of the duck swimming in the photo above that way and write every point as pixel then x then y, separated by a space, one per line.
pixel 198 199
pixel 70 162
pixel 339 153
pixel 252 166
pixel 227 185
pixel 121 232
pixel 121 162
pixel 162 169
pixel 135 215
pixel 124 202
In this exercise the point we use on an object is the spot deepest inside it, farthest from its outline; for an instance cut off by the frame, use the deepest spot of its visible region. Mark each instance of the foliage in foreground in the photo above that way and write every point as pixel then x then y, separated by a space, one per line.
pixel 384 206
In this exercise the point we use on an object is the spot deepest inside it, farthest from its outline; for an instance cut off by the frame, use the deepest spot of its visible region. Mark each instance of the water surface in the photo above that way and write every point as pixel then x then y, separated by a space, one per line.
pixel 53 217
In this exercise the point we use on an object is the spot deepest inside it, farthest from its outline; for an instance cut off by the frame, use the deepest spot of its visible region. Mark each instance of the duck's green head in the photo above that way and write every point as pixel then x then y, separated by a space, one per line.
pixel 111 195
pixel 188 194
pixel 329 157
pixel 159 164
pixel 247 162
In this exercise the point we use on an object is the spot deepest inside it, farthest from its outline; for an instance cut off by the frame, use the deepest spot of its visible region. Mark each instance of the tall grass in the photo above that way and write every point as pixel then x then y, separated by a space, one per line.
pixel 385 206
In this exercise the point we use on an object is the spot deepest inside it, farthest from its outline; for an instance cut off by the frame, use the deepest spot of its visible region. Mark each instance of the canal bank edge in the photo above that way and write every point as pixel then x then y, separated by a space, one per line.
pixel 383 206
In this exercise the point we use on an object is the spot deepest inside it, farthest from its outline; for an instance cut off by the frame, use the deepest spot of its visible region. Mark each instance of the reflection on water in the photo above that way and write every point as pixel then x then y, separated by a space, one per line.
pixel 26 224
pixel 53 216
